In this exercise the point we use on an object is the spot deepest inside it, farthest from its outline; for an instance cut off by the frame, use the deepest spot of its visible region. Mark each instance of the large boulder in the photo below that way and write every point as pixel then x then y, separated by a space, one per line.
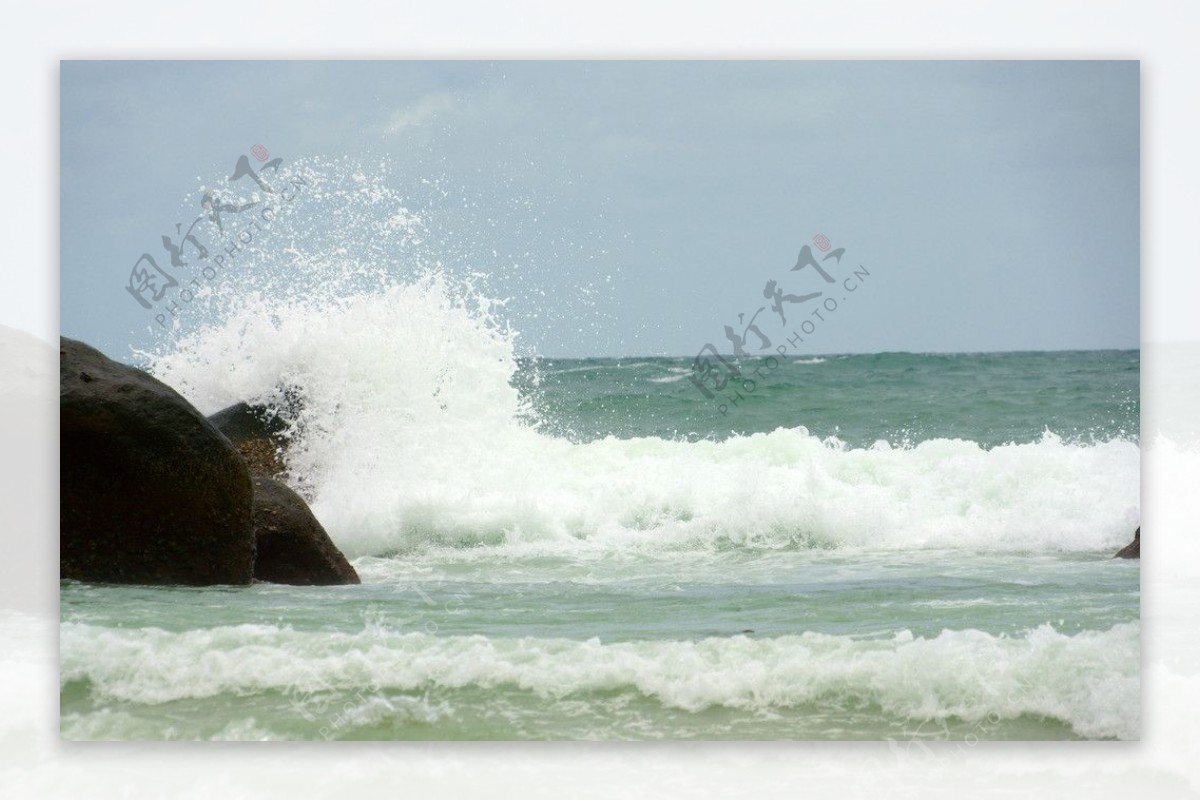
pixel 293 548
pixel 1134 549
pixel 150 491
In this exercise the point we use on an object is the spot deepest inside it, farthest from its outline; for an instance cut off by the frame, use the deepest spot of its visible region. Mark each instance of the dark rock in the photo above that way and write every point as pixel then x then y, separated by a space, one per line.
pixel 243 421
pixel 150 491
pixel 1134 549
pixel 293 548
pixel 258 433
pixel 263 457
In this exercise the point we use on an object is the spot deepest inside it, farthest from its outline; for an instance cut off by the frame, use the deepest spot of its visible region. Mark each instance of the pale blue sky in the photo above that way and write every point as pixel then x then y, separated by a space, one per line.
pixel 994 203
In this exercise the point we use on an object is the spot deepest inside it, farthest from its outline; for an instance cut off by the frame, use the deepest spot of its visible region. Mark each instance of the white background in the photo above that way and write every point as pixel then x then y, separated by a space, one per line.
pixel 1161 34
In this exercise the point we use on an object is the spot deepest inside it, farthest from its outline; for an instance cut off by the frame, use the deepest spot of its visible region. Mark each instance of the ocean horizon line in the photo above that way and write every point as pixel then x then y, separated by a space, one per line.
pixel 835 354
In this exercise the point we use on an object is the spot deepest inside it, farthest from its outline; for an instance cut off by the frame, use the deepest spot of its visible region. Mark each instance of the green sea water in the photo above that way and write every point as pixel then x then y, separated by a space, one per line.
pixel 989 398
pixel 890 546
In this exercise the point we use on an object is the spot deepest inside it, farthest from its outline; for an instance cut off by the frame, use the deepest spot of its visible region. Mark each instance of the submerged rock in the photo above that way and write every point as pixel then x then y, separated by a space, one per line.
pixel 1134 549
pixel 293 548
pixel 150 491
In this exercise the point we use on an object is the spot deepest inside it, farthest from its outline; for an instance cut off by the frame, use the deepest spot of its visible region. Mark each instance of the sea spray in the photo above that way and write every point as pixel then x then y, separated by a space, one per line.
pixel 411 435
pixel 410 432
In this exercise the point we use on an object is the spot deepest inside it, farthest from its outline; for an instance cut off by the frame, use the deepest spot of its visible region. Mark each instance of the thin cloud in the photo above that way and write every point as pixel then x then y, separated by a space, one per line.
pixel 419 113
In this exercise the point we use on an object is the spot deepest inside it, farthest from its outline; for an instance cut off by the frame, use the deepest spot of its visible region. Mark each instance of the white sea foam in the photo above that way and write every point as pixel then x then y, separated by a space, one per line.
pixel 1089 681
pixel 675 374
pixel 410 435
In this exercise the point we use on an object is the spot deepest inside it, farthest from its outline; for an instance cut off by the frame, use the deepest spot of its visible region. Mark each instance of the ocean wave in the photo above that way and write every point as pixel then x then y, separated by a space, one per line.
pixel 412 433
pixel 1088 681
pixel 411 436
